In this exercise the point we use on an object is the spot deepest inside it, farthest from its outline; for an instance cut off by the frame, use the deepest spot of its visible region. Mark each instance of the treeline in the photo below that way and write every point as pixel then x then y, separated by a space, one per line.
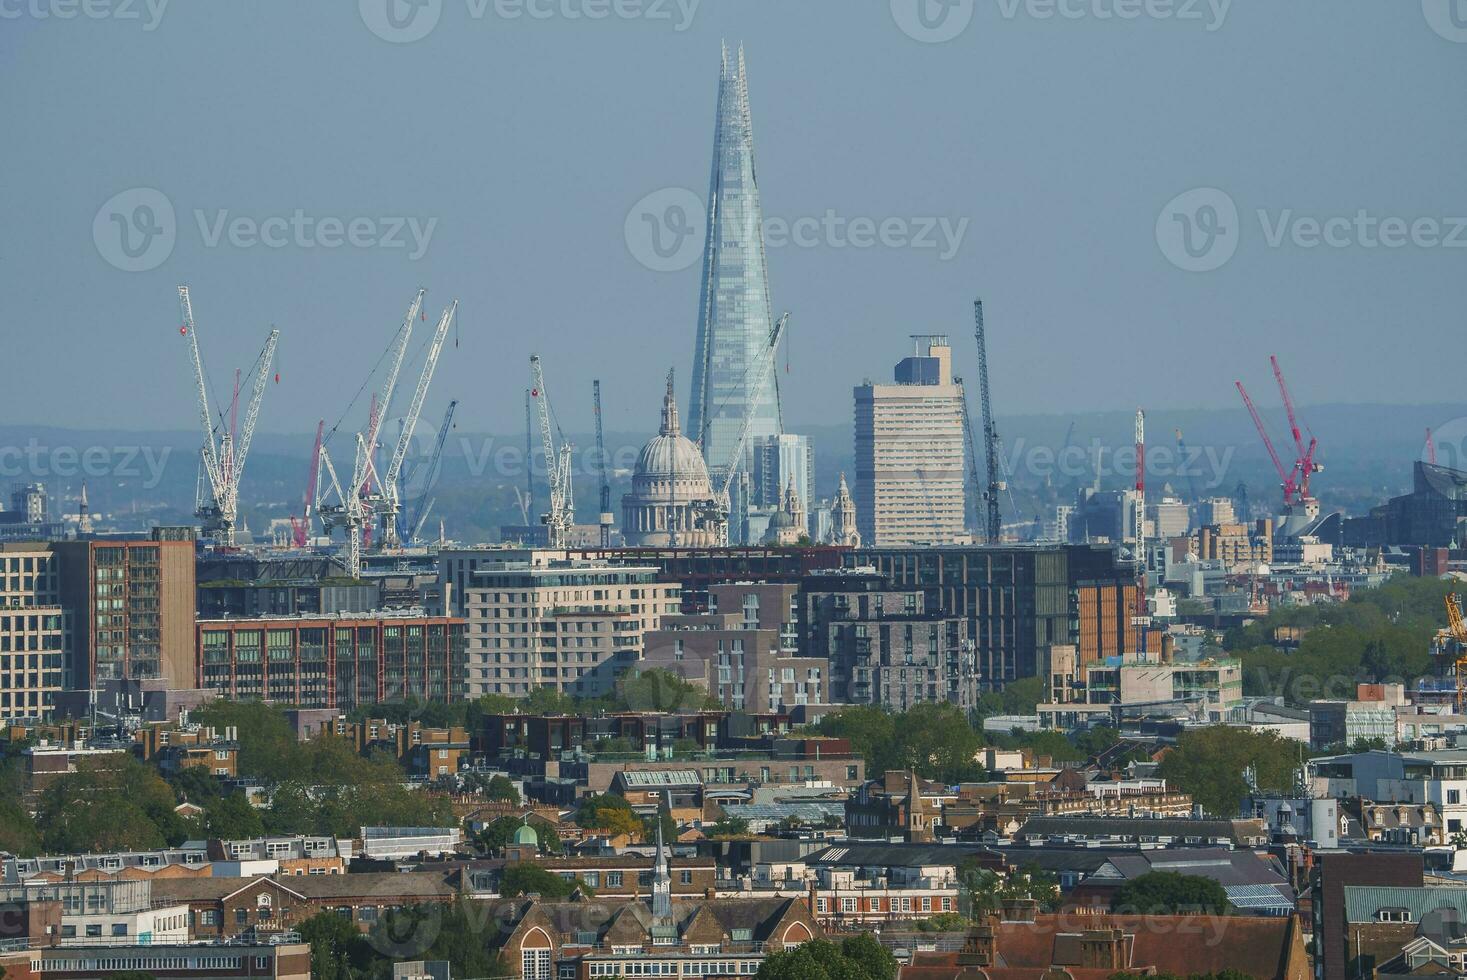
pixel 1378 636
pixel 638 690
pixel 115 802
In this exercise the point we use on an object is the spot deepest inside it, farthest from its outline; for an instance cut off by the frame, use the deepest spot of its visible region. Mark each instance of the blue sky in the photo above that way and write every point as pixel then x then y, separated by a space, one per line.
pixel 1072 160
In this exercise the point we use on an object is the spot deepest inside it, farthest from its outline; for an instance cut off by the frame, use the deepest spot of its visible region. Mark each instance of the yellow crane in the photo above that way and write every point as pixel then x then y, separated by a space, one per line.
pixel 1457 626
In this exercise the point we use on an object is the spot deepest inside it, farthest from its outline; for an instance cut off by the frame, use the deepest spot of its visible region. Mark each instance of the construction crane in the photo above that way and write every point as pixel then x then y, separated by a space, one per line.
pixel 560 516
pixel 300 527
pixel 765 368
pixel 605 518
pixel 224 460
pixel 1304 464
pixel 1457 632
pixel 1430 449
pixel 1286 478
pixel 386 503
pixel 996 483
pixel 1183 461
pixel 348 509
pixel 972 452
pixel 423 506
pixel 528 505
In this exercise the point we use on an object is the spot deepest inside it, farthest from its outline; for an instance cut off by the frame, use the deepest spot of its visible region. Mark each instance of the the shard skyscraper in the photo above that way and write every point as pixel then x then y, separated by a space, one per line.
pixel 734 313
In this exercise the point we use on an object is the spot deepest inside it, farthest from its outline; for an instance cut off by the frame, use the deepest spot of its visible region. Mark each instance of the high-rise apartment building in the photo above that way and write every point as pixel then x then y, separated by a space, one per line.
pixel 34 631
pixel 734 313
pixel 884 646
pixel 909 452
pixel 132 607
pixel 571 626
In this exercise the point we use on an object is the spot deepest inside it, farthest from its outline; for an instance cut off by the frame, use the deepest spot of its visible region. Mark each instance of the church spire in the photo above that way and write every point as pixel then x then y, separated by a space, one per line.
pixel 670 425
pixel 661 877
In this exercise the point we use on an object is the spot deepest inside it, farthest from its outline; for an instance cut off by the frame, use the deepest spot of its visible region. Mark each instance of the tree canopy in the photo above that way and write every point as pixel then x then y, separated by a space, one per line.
pixel 1170 893
pixel 1209 762
pixel 859 957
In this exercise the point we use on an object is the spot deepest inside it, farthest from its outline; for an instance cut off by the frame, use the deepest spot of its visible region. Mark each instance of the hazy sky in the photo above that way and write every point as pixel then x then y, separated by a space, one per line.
pixel 1030 151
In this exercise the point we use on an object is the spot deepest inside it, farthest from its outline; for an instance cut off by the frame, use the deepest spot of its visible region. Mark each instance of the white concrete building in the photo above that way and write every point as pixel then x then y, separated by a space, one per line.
pixel 566 625
pixel 910 453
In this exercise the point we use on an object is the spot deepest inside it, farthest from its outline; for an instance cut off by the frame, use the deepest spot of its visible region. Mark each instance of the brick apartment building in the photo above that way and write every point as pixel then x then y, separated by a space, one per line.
pixel 337 661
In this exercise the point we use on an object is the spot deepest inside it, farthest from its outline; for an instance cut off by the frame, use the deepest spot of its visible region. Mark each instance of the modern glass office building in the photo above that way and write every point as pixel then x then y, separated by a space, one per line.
pixel 734 315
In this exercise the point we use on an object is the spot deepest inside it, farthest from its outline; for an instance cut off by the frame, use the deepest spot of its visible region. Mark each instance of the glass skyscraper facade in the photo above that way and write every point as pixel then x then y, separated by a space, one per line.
pixel 734 312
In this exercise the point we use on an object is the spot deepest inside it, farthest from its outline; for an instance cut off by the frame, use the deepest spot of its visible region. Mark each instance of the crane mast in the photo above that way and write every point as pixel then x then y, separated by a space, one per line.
pixel 424 505
pixel 387 502
pixel 1304 465
pixel 560 517
pixel 766 368
pixel 1285 478
pixel 348 510
pixel 605 517
pixel 224 464
pixel 994 527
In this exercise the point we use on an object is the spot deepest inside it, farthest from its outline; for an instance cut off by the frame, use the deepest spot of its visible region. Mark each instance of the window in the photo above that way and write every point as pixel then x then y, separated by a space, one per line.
pixel 535 964
pixel 1454 796
pixel 613 879
pixel 685 877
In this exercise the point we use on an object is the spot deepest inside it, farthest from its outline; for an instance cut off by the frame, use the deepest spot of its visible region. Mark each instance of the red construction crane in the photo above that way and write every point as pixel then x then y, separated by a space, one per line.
pixel 300 527
pixel 1430 449
pixel 1304 465
pixel 1287 479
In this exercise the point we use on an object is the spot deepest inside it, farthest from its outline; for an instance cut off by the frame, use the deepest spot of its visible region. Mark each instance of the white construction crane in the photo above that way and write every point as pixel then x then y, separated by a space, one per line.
pixel 384 500
pixel 736 457
pixel 224 460
pixel 561 516
pixel 345 507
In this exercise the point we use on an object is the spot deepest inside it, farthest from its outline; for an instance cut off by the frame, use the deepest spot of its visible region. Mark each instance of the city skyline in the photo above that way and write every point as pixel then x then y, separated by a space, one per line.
pixel 1058 302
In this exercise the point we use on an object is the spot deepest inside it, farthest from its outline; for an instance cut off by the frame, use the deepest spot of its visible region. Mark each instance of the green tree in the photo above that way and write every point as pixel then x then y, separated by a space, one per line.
pixel 609 812
pixel 872 734
pixel 1020 697
pixel 1169 893
pixel 866 952
pixel 820 959
pixel 935 740
pixel 267 746
pixel 232 818
pixel 338 949
pixel 528 878
pixel 1209 762
pixel 464 933
pixel 18 833
pixel 727 827
pixel 502 788
pixel 111 803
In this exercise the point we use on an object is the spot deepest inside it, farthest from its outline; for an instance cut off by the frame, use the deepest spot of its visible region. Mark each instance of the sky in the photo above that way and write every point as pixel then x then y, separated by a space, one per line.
pixel 1151 196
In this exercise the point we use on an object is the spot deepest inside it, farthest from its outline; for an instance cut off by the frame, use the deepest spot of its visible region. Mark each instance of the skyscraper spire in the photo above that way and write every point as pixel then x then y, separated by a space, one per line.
pixel 734 312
